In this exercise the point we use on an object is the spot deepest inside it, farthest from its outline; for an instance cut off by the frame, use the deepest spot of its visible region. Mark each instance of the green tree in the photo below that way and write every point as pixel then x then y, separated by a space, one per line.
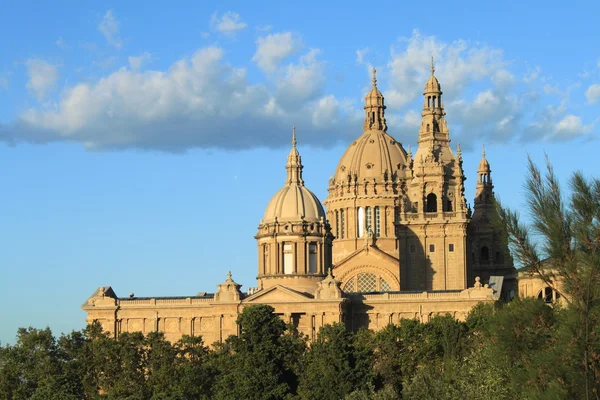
pixel 197 375
pixel 36 367
pixel 336 365
pixel 567 235
pixel 258 365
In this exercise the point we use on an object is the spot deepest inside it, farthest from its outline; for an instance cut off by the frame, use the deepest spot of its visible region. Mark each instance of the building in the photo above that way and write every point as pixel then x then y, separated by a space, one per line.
pixel 396 240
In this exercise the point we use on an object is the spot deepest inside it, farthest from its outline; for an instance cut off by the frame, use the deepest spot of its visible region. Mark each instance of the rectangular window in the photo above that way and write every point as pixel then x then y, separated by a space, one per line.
pixel 451 247
pixel 396 214
pixel 265 258
pixel 432 248
pixel 377 222
pixel 342 224
pixel 337 224
pixel 368 220
pixel 360 217
pixel 312 258
pixel 288 258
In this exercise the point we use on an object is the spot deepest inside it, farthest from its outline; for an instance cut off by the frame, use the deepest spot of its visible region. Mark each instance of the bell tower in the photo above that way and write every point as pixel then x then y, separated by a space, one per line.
pixel 489 253
pixel 433 224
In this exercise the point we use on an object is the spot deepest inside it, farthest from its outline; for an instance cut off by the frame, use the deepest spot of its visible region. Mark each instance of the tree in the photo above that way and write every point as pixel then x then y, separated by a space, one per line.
pixel 562 244
pixel 258 365
pixel 336 365
pixel 36 367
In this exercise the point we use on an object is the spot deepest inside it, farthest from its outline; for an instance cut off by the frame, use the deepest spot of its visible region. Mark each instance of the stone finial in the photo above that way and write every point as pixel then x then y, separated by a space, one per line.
pixel 482 150
pixel 228 290
pixel 294 136
pixel 432 69
pixel 477 282
pixel 374 77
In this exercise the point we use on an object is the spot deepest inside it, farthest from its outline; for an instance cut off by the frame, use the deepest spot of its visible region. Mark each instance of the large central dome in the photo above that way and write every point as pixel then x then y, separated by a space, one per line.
pixel 374 155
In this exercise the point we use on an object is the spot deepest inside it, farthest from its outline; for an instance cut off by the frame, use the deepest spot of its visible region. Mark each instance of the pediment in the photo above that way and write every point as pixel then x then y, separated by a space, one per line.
pixel 371 252
pixel 277 294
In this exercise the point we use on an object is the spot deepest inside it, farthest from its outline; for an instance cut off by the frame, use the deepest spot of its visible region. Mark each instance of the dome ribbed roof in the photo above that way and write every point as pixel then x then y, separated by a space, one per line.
pixel 371 156
pixel 294 203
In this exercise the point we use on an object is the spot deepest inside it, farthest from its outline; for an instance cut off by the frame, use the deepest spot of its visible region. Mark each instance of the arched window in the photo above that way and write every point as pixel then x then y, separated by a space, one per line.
pixel 368 220
pixel 431 203
pixel 485 254
pixel 428 101
pixel 427 128
pixel 337 224
pixel 365 283
pixel 342 224
pixel 349 286
pixel 448 205
pixel 434 101
pixel 548 295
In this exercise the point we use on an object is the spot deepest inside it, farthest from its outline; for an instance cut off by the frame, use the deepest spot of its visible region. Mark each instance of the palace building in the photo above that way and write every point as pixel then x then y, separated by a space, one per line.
pixel 393 239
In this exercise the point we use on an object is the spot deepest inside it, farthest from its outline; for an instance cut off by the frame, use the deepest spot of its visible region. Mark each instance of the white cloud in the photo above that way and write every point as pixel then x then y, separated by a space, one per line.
pixel 593 93
pixel 458 64
pixel 42 77
pixel 532 75
pixel 109 26
pixel 229 23
pixel 200 101
pixel 301 82
pixel 137 62
pixel 553 125
pixel 264 28
pixel 273 49
pixel 3 82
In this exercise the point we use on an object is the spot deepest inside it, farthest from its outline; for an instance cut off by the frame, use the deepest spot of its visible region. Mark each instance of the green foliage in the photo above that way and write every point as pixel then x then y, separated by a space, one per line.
pixel 262 361
pixel 338 363
pixel 561 247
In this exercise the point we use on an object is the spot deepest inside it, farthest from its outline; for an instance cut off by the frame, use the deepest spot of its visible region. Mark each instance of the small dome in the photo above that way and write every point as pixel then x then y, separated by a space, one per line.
pixel 371 156
pixel 432 85
pixel 484 165
pixel 294 203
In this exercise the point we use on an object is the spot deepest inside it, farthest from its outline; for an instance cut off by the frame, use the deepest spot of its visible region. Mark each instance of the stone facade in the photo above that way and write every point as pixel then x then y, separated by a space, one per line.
pixel 396 240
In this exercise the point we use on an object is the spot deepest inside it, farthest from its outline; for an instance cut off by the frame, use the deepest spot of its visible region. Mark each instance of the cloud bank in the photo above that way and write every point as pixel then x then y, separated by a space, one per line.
pixel 204 101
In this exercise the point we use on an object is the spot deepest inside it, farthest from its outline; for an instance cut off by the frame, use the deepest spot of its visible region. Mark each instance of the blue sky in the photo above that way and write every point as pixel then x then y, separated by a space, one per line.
pixel 140 144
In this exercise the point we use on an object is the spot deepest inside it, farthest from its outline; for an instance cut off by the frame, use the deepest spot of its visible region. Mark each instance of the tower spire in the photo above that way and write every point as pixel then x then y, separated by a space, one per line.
pixel 374 77
pixel 432 69
pixel 294 164
pixel 294 136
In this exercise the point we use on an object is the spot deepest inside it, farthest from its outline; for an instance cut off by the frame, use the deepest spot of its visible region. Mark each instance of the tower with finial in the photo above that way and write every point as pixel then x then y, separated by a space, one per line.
pixel 489 254
pixel 294 238
pixel 435 231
